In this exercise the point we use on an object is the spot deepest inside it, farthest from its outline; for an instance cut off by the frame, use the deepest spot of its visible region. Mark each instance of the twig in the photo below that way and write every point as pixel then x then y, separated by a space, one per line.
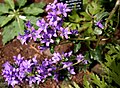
pixel 118 19
pixel 112 13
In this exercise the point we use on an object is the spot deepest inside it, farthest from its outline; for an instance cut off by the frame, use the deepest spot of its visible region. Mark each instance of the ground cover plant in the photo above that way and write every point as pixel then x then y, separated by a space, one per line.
pixel 13 15
pixel 94 37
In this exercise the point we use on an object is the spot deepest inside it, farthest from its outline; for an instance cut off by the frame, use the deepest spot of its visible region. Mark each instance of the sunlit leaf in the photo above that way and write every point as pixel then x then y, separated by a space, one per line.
pixel 10 3
pixel 38 5
pixel 3 8
pixel 6 20
pixel 21 2
pixel 32 11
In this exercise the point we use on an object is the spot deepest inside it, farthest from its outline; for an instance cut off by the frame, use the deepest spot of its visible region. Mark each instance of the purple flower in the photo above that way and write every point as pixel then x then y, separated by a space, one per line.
pixel 67 54
pixel 45 62
pixel 33 79
pixel 64 32
pixel 55 77
pixel 99 24
pixel 51 6
pixel 53 19
pixel 35 34
pixel 56 58
pixel 9 73
pixel 18 59
pixel 52 33
pixel 43 25
pixel 42 48
pixel 66 64
pixel 75 32
pixel 69 66
pixel 71 70
pixel 62 9
pixel 46 39
pixel 34 60
pixel 23 38
pixel 28 24
pixel 26 65
pixel 80 58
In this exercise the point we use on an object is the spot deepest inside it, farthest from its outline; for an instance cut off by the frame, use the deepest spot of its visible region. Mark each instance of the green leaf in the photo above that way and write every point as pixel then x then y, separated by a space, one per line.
pixel 3 8
pixel 9 32
pixel 20 26
pixel 12 30
pixel 10 3
pixel 96 54
pixel 32 19
pixel 97 31
pixel 74 17
pixel 52 49
pixel 96 80
pixel 2 18
pixel 86 84
pixel 93 8
pixel 86 16
pixel 21 2
pixel 101 15
pixel 6 20
pixel 77 47
pixel 38 5
pixel 75 85
pixel 32 11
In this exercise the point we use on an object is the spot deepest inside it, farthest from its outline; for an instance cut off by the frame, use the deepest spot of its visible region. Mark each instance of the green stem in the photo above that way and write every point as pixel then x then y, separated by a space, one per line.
pixel 118 19
pixel 83 39
pixel 70 65
pixel 112 13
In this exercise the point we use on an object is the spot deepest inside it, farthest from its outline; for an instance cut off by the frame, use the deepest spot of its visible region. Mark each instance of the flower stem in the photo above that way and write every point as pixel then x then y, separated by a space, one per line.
pixel 70 65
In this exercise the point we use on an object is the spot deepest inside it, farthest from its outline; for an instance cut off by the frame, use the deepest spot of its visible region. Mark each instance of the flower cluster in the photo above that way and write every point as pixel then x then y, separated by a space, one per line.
pixel 32 72
pixel 49 29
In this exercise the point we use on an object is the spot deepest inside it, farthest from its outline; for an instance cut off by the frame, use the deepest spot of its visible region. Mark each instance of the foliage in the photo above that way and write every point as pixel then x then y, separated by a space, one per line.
pixel 14 14
pixel 69 84
pixel 91 32
pixel 111 70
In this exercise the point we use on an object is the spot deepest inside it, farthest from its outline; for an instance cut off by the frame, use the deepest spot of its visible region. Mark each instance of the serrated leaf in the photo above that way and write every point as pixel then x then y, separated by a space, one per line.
pixel 38 5
pixel 10 3
pixel 6 20
pixel 4 8
pixel 75 85
pixel 96 80
pixel 86 84
pixel 21 2
pixel 32 11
